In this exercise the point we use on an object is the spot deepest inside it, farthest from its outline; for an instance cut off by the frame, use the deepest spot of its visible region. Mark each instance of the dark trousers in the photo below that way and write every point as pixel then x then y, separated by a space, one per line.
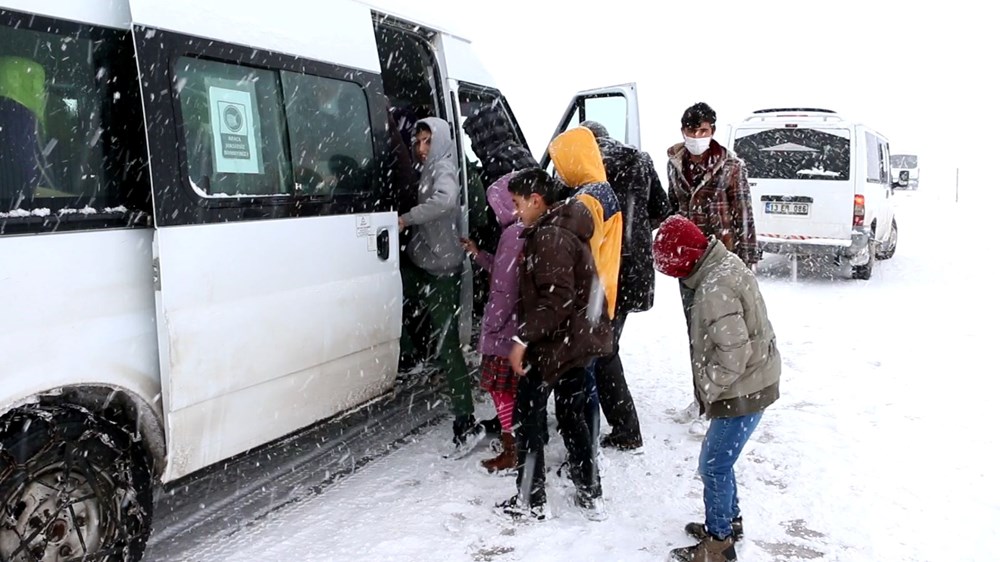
pixel 531 427
pixel 416 342
pixel 616 400
pixel 435 300
pixel 593 406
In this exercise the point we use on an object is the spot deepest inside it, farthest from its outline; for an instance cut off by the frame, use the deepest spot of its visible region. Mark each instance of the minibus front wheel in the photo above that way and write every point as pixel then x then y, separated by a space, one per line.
pixel 73 486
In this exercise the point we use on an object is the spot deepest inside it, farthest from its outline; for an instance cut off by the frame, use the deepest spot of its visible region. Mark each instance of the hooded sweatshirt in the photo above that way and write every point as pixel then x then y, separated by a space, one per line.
pixel 499 323
pixel 578 162
pixel 435 246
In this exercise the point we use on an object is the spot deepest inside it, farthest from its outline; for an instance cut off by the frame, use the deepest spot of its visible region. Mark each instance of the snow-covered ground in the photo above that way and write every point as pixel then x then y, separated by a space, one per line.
pixel 880 447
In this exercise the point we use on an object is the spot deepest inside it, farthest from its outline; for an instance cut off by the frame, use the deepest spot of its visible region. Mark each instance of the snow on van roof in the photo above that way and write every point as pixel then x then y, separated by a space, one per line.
pixel 790 147
pixel 795 110
pixel 794 114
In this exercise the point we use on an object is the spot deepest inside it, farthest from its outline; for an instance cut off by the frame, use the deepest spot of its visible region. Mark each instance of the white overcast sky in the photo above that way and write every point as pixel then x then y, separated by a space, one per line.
pixel 922 74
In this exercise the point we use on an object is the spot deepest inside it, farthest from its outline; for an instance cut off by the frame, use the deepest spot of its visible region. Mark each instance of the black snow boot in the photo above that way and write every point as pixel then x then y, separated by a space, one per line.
pixel 513 507
pixel 492 425
pixel 468 434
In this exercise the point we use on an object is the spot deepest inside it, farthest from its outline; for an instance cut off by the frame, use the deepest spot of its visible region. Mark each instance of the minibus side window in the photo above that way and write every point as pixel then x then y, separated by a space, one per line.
pixel 234 129
pixel 330 133
pixel 71 150
pixel 874 158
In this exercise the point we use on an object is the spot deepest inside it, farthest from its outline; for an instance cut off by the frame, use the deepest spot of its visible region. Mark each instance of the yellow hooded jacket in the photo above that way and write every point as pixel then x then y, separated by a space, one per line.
pixel 578 162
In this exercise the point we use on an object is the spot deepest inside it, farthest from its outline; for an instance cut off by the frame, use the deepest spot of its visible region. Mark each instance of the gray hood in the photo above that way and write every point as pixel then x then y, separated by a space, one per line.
pixel 436 219
pixel 442 145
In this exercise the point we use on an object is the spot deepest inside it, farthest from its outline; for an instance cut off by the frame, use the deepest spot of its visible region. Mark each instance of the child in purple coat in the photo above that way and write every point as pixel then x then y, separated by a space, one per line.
pixel 499 323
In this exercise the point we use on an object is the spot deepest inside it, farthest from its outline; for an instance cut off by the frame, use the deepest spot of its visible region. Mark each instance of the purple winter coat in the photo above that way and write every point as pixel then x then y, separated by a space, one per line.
pixel 500 315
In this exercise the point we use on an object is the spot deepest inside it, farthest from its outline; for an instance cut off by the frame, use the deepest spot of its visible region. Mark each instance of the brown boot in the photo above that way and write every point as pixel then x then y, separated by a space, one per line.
pixel 507 459
pixel 698 530
pixel 709 549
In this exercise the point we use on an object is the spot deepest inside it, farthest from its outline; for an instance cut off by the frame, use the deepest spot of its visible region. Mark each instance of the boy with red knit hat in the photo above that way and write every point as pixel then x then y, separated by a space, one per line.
pixel 736 369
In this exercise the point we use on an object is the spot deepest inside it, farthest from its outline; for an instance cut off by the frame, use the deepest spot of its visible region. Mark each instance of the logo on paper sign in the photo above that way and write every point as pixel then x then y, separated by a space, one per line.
pixel 235 140
pixel 233 117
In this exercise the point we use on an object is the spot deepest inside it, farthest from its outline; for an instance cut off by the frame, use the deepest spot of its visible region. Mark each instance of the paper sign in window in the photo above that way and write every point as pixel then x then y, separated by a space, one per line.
pixel 235 128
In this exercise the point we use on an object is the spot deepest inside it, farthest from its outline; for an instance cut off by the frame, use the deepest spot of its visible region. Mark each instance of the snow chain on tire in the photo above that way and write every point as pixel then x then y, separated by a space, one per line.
pixel 73 487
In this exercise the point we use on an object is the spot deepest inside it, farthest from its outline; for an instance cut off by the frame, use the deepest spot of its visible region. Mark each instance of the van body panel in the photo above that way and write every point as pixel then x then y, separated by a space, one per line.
pixel 463 64
pixel 337 31
pixel 108 13
pixel 80 312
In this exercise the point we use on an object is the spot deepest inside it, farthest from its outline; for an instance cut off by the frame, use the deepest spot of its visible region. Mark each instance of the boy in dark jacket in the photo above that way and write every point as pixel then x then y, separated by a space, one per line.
pixel 562 325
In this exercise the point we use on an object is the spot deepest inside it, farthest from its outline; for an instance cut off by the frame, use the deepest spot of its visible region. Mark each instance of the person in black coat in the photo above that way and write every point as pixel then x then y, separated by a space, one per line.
pixel 644 205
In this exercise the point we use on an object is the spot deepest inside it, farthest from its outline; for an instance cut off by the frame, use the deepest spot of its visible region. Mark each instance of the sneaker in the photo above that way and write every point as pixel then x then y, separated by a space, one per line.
pixel 698 427
pixel 538 510
pixel 700 532
pixel 689 414
pixel 621 442
pixel 709 549
pixel 592 508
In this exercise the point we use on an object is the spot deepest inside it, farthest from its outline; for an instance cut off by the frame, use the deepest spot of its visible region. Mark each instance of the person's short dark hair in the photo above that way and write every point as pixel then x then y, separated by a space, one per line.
pixel 422 126
pixel 697 114
pixel 534 180
pixel 600 131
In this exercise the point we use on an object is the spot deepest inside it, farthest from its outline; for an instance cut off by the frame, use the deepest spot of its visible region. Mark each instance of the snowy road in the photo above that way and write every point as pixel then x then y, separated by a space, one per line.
pixel 878 449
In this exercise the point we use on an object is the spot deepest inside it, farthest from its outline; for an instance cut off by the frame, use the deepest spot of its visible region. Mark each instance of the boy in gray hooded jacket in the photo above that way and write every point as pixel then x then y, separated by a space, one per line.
pixel 436 251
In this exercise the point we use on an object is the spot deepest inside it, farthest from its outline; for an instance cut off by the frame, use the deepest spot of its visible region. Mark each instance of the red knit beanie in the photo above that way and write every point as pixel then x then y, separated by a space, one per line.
pixel 679 244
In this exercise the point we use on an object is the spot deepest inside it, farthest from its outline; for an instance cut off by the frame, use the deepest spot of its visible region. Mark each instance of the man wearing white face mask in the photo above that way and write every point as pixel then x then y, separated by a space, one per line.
pixel 708 185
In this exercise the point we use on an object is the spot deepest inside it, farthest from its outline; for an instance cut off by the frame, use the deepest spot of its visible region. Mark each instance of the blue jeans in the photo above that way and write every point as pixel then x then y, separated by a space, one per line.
pixel 723 444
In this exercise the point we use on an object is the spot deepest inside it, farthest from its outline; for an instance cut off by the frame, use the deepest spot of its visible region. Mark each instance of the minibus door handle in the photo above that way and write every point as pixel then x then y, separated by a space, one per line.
pixel 382 242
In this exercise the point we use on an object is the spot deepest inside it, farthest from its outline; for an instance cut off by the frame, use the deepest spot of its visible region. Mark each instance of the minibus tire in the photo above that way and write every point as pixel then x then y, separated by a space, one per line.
pixel 893 239
pixel 71 479
pixel 864 272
